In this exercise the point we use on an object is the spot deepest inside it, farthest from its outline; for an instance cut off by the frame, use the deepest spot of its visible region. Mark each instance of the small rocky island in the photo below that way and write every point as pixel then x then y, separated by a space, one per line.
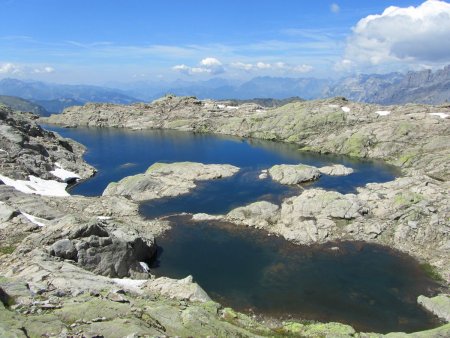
pixel 77 266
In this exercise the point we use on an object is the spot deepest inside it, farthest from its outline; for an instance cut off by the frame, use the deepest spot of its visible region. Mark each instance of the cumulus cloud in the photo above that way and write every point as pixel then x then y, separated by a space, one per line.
pixel 15 69
pixel 208 65
pixel 411 34
pixel 213 66
pixel 335 8
pixel 262 65
pixel 9 68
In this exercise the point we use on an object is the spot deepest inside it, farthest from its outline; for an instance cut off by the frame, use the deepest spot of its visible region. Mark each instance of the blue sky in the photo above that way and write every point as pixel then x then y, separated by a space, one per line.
pixel 122 41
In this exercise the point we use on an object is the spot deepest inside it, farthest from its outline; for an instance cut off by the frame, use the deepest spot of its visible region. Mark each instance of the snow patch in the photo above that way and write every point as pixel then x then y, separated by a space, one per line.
pixel 103 218
pixel 34 219
pixel 37 186
pixel 144 266
pixel 129 283
pixel 441 115
pixel 333 106
pixel 345 109
pixel 221 106
pixel 383 112
pixel 64 174
pixel 232 107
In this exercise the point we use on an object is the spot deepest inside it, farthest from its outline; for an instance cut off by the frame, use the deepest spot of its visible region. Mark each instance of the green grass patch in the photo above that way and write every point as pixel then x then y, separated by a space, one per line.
pixel 7 250
pixel 407 198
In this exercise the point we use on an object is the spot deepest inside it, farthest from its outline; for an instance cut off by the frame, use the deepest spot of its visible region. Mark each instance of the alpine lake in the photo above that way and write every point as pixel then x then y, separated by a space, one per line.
pixel 371 287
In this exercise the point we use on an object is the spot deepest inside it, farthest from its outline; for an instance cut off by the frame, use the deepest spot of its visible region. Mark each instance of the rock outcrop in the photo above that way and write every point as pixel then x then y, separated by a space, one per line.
pixel 412 136
pixel 27 149
pixel 409 214
pixel 336 170
pixel 312 217
pixel 168 180
pixel 439 305
pixel 293 174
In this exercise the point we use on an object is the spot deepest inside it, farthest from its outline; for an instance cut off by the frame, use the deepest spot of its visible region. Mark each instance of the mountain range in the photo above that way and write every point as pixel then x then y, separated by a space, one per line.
pixel 426 86
pixel 55 97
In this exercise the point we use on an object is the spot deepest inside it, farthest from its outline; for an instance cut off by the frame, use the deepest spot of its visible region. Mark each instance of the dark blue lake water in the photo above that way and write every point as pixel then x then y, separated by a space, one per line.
pixel 371 287
pixel 119 153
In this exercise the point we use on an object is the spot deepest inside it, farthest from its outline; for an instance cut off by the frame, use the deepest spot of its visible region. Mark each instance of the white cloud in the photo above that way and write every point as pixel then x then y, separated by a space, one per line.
pixel 262 65
pixel 210 62
pixel 208 65
pixel 182 68
pixel 407 35
pixel 335 8
pixel 15 69
pixel 45 70
pixel 200 70
pixel 9 68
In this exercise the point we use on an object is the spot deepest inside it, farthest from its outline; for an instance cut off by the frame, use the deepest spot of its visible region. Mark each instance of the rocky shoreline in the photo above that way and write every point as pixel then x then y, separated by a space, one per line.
pixel 412 209
pixel 414 137
pixel 62 269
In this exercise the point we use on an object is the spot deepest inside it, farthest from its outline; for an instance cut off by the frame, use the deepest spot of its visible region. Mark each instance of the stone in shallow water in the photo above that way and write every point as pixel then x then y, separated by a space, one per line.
pixel 293 174
pixel 439 305
pixel 336 170
pixel 168 180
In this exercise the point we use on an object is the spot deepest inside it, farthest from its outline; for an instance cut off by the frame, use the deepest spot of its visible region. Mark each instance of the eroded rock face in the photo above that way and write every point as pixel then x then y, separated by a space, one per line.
pixel 319 203
pixel 103 248
pixel 168 179
pixel 311 217
pixel 293 174
pixel 259 214
pixel 179 289
pixel 65 249
pixel 27 149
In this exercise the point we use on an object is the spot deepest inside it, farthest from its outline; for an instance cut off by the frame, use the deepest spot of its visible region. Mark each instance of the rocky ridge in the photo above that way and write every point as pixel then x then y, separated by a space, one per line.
pixel 27 149
pixel 413 137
